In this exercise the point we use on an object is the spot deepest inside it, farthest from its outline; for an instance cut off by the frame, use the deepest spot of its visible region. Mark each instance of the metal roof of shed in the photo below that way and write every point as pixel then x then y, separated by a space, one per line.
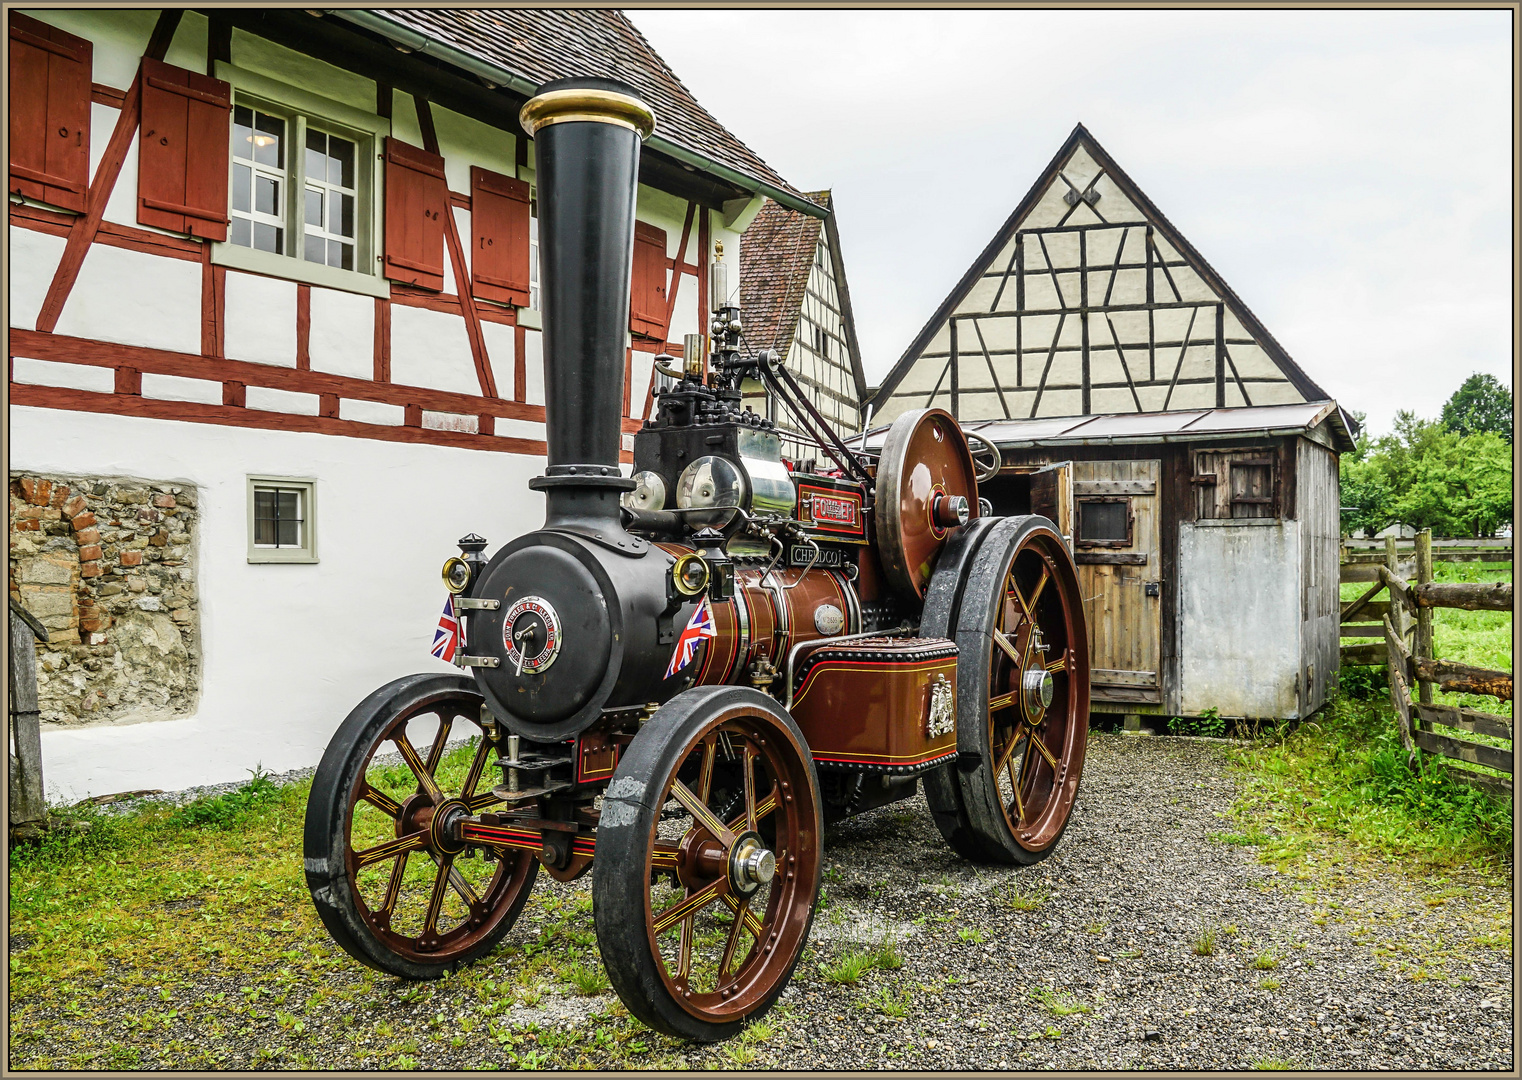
pixel 1181 426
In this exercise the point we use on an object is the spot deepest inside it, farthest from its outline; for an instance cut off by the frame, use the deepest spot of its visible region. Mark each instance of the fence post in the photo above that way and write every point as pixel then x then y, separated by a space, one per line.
pixel 1424 614
pixel 1397 610
pixel 28 807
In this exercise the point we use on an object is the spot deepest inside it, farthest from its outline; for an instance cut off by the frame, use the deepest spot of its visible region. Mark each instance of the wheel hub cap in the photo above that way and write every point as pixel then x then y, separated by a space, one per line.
pixel 1036 684
pixel 751 864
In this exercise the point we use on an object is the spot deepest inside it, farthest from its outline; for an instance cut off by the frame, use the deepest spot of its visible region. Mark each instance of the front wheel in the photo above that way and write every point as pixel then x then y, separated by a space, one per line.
pixel 390 884
pixel 703 906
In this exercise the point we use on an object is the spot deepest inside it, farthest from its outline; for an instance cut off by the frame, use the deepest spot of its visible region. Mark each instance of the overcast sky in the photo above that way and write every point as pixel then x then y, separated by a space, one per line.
pixel 1347 173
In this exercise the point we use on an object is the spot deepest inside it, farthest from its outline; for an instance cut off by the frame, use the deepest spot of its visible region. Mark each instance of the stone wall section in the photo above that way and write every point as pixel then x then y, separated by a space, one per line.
pixel 107 565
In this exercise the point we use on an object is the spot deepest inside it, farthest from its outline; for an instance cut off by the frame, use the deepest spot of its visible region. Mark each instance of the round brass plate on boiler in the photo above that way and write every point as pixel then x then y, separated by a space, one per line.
pixel 924 458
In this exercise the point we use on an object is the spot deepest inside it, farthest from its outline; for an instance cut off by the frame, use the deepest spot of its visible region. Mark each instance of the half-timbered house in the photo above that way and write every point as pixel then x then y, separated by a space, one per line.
pixel 796 301
pixel 274 346
pixel 1136 400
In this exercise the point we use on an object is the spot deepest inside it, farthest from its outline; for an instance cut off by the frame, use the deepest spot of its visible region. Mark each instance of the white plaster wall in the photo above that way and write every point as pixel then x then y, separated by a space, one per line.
pixel 177 388
pixel 289 649
pixel 1239 618
pixel 34 259
pixel 71 376
pixel 342 340
pixel 500 350
pixel 136 299
pixel 431 348
pixel 261 320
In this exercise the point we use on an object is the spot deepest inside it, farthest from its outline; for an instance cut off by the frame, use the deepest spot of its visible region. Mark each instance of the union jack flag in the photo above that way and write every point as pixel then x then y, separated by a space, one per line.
pixel 699 627
pixel 446 639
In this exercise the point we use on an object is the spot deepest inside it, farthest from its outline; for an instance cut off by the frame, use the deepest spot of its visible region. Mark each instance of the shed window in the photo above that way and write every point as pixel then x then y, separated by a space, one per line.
pixel 1242 483
pixel 1105 521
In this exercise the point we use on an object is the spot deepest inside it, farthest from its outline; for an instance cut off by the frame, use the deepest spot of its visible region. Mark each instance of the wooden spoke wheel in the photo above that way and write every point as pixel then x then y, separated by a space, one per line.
pixel 701 919
pixel 1022 696
pixel 924 469
pixel 391 885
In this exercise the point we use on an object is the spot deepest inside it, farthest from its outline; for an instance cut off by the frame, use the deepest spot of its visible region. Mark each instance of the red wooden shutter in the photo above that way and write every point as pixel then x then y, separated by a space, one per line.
pixel 417 198
pixel 499 216
pixel 647 299
pixel 50 113
pixel 182 151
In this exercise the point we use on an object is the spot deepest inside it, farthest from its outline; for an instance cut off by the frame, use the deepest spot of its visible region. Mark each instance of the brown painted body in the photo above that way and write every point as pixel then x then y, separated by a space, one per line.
pixel 866 703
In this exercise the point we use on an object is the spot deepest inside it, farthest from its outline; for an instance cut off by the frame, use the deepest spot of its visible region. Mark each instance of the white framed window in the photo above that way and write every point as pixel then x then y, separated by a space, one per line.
pixel 305 198
pixel 282 519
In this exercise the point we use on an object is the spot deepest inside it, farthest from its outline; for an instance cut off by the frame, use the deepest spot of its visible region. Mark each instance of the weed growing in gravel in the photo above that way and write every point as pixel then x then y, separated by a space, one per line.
pixel 588 980
pixel 1058 1003
pixel 1268 984
pixel 886 955
pixel 1274 1063
pixel 972 935
pixel 1250 838
pixel 1264 961
pixel 1204 941
pixel 848 970
pixel 1027 899
pixel 1096 927
pixel 887 1002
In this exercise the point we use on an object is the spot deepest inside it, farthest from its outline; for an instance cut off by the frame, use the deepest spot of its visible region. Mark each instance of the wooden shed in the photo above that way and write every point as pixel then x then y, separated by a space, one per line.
pixel 1137 401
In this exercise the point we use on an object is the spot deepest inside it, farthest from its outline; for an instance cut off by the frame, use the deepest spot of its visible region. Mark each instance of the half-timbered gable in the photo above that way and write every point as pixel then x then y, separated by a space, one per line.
pixel 282 264
pixel 795 299
pixel 1089 302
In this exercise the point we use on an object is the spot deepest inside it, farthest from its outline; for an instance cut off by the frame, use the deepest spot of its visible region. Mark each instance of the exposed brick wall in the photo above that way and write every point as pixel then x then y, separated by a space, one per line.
pixel 107 565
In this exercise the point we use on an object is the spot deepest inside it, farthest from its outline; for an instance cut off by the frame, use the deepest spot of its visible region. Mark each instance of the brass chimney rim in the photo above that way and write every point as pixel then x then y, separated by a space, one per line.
pixel 587 104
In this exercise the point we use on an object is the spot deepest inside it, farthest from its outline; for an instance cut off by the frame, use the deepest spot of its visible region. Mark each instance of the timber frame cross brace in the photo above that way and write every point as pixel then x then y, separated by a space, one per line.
pixel 1146 361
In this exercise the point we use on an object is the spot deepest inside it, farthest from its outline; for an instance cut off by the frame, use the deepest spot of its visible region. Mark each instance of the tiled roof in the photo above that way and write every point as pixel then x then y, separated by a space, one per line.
pixel 776 255
pixel 542 44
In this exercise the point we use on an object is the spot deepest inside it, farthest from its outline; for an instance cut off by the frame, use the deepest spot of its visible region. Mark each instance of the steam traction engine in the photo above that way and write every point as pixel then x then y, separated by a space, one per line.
pixel 686 673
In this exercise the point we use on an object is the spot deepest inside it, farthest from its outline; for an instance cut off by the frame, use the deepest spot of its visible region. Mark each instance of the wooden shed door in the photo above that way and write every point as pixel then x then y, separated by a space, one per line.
pixel 1115 544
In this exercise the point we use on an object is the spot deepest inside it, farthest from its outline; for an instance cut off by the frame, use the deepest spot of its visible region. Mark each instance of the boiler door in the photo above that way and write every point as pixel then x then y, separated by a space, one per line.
pixel 551 635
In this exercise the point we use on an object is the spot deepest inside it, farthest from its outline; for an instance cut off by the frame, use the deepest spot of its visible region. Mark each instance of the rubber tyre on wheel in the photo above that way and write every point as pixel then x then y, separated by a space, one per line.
pixel 971 807
pixel 644 839
pixel 343 782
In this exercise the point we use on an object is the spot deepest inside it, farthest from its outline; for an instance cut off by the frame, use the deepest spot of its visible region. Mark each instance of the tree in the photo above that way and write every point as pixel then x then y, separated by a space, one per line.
pixel 1481 404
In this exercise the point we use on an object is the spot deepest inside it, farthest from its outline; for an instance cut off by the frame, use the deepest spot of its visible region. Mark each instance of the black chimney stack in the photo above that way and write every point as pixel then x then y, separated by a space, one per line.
pixel 587 135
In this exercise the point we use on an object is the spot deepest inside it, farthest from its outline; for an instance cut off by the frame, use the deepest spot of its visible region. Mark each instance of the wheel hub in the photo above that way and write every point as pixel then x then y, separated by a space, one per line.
pixel 751 864
pixel 441 830
pixel 1037 689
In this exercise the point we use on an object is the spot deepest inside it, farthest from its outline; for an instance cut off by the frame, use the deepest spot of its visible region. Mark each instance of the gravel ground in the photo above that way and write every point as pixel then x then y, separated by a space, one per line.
pixel 1095 966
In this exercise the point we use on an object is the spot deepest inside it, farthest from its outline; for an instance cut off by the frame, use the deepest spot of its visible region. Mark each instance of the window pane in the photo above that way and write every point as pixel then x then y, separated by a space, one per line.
pixel 313 250
pixel 267 195
pixel 264 517
pixel 345 224
pixel 268 238
pixel 243 178
pixel 290 504
pixel 317 149
pixel 289 533
pixel 1102 520
pixel 340 255
pixel 314 207
pixel 243 132
pixel 269 140
pixel 340 161
pixel 240 232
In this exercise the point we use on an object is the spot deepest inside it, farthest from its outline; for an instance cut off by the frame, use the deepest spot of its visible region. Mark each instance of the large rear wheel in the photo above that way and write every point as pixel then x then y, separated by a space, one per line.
pixel 1022 698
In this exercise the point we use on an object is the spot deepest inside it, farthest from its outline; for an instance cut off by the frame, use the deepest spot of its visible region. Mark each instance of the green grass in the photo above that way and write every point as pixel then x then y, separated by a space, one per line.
pixel 848 969
pixel 1345 773
pixel 1264 961
pixel 972 935
pixel 1027 899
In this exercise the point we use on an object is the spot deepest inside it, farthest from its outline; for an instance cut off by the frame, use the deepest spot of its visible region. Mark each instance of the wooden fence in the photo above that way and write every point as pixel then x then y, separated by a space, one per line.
pixel 1405 624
